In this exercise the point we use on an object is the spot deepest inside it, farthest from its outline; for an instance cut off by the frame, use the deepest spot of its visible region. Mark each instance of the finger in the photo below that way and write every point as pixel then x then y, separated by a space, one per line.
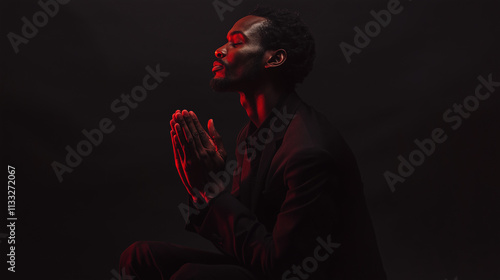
pixel 186 140
pixel 175 148
pixel 217 138
pixel 178 163
pixel 194 132
pixel 177 151
pixel 180 134
pixel 172 124
pixel 184 128
pixel 189 145
pixel 174 143
pixel 172 133
pixel 204 137
pixel 178 147
pixel 173 116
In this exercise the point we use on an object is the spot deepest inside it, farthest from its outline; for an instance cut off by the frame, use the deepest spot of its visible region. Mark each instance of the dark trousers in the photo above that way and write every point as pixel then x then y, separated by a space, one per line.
pixel 153 260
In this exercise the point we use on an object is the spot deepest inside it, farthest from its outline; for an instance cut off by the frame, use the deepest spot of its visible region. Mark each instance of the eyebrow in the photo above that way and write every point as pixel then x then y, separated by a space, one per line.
pixel 236 32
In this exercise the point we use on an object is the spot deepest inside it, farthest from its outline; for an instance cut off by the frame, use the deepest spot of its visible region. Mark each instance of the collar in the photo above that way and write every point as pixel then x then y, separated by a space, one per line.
pixel 276 122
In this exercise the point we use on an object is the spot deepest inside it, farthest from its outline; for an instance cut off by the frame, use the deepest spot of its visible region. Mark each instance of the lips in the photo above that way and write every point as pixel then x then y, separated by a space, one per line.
pixel 217 66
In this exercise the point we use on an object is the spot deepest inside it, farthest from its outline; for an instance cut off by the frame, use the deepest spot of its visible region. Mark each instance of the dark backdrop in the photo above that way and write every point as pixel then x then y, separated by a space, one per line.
pixel 442 222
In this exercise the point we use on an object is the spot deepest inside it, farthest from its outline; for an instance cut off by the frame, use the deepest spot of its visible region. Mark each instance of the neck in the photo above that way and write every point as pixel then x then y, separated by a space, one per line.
pixel 259 103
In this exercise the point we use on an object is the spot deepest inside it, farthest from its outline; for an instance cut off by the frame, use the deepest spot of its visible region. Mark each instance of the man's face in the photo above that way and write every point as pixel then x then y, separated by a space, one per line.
pixel 239 62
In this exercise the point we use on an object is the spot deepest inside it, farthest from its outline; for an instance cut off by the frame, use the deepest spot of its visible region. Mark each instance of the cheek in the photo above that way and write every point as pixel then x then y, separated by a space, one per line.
pixel 235 63
pixel 232 58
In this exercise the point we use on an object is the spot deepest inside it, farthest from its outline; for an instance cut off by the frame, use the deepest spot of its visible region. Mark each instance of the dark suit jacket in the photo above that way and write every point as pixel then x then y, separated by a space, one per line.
pixel 297 210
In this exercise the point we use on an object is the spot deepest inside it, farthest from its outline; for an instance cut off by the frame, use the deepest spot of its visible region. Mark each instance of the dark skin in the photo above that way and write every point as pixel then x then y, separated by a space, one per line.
pixel 249 69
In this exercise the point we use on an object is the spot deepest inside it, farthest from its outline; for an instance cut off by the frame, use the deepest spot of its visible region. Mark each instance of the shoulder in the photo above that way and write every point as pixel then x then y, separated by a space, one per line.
pixel 311 132
pixel 311 137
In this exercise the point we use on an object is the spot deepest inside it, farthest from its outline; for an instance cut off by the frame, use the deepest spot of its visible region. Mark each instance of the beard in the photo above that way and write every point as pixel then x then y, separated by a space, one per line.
pixel 249 77
pixel 221 84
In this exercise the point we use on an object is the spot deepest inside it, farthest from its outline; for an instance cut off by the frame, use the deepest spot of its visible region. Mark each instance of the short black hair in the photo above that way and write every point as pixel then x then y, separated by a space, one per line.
pixel 285 30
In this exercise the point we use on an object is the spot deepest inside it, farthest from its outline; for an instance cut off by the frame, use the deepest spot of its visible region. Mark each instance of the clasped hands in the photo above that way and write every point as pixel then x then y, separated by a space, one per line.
pixel 197 154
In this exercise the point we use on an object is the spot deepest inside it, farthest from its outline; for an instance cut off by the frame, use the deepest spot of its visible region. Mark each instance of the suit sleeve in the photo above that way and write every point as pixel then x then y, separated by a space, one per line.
pixel 309 176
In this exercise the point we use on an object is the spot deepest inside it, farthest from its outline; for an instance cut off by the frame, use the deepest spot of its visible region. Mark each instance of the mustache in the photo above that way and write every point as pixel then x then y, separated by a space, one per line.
pixel 220 61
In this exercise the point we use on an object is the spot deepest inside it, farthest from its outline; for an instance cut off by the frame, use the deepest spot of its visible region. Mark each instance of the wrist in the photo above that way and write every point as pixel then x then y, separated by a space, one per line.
pixel 212 190
pixel 209 192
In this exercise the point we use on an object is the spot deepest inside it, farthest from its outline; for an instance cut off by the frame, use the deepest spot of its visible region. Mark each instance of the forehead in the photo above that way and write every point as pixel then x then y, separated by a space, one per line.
pixel 248 26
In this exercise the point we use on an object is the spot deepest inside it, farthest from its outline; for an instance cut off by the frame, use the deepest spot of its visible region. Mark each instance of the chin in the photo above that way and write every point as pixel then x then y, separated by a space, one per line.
pixel 221 85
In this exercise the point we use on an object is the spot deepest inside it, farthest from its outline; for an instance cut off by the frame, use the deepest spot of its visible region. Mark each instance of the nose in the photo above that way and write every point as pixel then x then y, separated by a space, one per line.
pixel 220 52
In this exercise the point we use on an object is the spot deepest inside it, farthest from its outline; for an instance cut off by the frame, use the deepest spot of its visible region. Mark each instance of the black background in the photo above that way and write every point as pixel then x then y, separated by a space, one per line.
pixel 441 223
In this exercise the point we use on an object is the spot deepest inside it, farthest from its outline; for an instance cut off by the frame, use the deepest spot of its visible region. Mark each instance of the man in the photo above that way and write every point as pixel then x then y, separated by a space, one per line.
pixel 296 208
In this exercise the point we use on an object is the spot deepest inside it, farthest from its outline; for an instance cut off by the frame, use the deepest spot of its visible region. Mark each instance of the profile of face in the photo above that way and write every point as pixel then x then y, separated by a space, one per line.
pixel 240 62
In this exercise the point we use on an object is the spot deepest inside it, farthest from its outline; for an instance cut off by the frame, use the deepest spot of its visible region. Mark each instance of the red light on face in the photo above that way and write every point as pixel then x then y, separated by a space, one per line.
pixel 217 66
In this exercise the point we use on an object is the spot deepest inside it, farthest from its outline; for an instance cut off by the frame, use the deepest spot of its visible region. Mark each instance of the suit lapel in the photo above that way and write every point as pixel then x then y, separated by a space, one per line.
pixel 289 107
pixel 240 157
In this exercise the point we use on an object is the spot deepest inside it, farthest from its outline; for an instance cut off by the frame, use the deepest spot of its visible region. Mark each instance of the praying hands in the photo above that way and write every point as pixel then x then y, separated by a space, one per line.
pixel 197 154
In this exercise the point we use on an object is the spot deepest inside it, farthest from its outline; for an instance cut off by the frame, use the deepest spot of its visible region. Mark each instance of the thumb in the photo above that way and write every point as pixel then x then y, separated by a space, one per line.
pixel 216 138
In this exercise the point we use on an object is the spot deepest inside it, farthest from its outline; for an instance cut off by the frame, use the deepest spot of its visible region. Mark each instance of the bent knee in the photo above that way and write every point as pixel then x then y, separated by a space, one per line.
pixel 133 253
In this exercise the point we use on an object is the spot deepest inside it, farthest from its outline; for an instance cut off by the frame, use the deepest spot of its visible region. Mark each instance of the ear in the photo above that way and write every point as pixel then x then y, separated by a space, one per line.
pixel 275 58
